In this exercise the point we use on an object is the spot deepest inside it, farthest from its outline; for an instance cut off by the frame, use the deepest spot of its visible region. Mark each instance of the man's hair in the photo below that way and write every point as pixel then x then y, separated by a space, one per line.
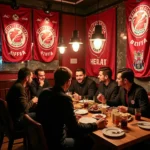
pixel 37 70
pixel 80 69
pixel 106 71
pixel 127 73
pixel 23 73
pixel 62 75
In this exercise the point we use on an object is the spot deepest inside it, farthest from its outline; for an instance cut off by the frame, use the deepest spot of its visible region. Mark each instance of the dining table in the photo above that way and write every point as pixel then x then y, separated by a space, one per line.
pixel 133 134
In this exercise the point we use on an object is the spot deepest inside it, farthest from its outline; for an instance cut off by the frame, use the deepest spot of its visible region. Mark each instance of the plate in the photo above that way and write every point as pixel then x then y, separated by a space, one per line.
pixel 81 111
pixel 113 132
pixel 144 124
pixel 87 120
pixel 98 116
pixel 102 105
pixel 87 101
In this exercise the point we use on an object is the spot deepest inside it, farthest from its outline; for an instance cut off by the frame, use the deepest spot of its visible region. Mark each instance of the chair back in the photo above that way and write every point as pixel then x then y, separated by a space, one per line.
pixel 5 118
pixel 34 134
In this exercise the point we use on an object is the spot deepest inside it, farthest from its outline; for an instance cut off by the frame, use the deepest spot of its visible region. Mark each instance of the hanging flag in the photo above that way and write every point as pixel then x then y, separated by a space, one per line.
pixel 16 34
pixel 106 54
pixel 45 35
pixel 138 33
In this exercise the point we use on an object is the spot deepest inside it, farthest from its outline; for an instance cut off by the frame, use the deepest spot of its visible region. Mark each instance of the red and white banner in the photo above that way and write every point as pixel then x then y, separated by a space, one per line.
pixel 138 33
pixel 45 35
pixel 106 54
pixel 16 34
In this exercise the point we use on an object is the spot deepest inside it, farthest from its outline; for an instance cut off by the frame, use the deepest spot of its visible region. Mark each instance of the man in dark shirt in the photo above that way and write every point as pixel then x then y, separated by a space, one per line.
pixel 17 98
pixel 107 86
pixel 56 114
pixel 38 83
pixel 131 95
pixel 82 86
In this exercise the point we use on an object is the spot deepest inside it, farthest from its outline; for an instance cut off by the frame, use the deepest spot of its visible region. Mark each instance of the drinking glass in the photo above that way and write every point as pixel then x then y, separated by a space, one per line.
pixel 137 113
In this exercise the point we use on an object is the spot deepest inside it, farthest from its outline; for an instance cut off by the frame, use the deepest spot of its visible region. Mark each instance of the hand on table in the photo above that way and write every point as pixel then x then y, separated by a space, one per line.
pixel 101 123
pixel 123 109
pixel 76 96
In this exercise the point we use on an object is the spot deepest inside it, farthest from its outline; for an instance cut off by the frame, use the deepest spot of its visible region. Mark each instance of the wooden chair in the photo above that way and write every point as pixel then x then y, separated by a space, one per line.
pixel 34 134
pixel 7 127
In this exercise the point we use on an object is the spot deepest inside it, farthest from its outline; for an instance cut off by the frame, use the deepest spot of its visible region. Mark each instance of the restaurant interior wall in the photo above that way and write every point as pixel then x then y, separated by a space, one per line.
pixel 79 57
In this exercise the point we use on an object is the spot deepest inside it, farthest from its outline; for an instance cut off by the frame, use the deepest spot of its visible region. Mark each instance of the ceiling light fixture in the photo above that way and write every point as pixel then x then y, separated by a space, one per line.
pixel 61 44
pixel 98 37
pixel 47 8
pixel 75 40
pixel 14 5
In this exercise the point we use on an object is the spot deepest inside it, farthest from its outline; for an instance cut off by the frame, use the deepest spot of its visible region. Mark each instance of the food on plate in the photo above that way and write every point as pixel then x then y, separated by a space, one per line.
pixel 99 116
pixel 78 106
pixel 94 108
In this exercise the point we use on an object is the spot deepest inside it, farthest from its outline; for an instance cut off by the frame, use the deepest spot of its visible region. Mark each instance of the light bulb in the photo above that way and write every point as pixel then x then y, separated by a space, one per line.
pixel 62 50
pixel 97 43
pixel 75 46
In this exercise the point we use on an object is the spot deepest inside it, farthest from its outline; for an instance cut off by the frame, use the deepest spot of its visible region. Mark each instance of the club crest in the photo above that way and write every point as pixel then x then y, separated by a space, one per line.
pixel 139 20
pixel 138 62
pixel 46 37
pixel 17 36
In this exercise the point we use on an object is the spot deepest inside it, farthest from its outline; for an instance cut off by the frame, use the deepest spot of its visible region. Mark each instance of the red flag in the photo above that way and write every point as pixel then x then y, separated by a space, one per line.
pixel 106 55
pixel 138 33
pixel 16 34
pixel 45 35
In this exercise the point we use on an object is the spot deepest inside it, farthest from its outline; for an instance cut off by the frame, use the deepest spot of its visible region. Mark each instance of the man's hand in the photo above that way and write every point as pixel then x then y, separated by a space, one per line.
pixel 123 109
pixel 101 98
pixel 41 82
pixel 101 123
pixel 76 96
pixel 35 100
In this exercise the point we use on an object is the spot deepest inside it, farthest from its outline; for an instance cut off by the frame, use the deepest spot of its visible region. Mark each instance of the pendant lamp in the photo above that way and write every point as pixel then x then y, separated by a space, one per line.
pixel 98 37
pixel 75 40
pixel 61 44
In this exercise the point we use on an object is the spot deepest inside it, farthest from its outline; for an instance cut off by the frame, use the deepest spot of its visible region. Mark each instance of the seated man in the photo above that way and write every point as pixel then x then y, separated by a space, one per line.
pixel 17 98
pixel 107 86
pixel 55 112
pixel 131 95
pixel 38 83
pixel 83 86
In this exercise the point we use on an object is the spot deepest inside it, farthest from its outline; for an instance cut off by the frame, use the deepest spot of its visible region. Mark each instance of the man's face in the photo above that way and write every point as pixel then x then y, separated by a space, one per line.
pixel 101 76
pixel 80 76
pixel 41 75
pixel 30 77
pixel 119 80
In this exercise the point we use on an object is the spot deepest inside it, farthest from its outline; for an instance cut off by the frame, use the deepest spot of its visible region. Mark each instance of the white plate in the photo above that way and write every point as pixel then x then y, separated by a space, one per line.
pixel 87 120
pixel 113 132
pixel 87 101
pixel 144 124
pixel 81 111
pixel 99 116
pixel 130 118
pixel 102 105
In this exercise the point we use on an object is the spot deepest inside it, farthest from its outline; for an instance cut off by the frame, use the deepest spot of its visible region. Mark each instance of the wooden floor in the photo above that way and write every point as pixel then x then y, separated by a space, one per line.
pixel 18 144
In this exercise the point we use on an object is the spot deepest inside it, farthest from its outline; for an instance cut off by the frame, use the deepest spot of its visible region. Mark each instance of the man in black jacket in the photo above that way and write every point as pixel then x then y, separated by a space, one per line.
pixel 38 83
pixel 83 86
pixel 17 98
pixel 56 114
pixel 131 95
pixel 107 86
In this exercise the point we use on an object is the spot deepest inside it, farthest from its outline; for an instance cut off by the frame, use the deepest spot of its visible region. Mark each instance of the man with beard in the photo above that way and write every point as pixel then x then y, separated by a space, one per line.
pixel 17 98
pixel 107 86
pixel 82 86
pixel 38 83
